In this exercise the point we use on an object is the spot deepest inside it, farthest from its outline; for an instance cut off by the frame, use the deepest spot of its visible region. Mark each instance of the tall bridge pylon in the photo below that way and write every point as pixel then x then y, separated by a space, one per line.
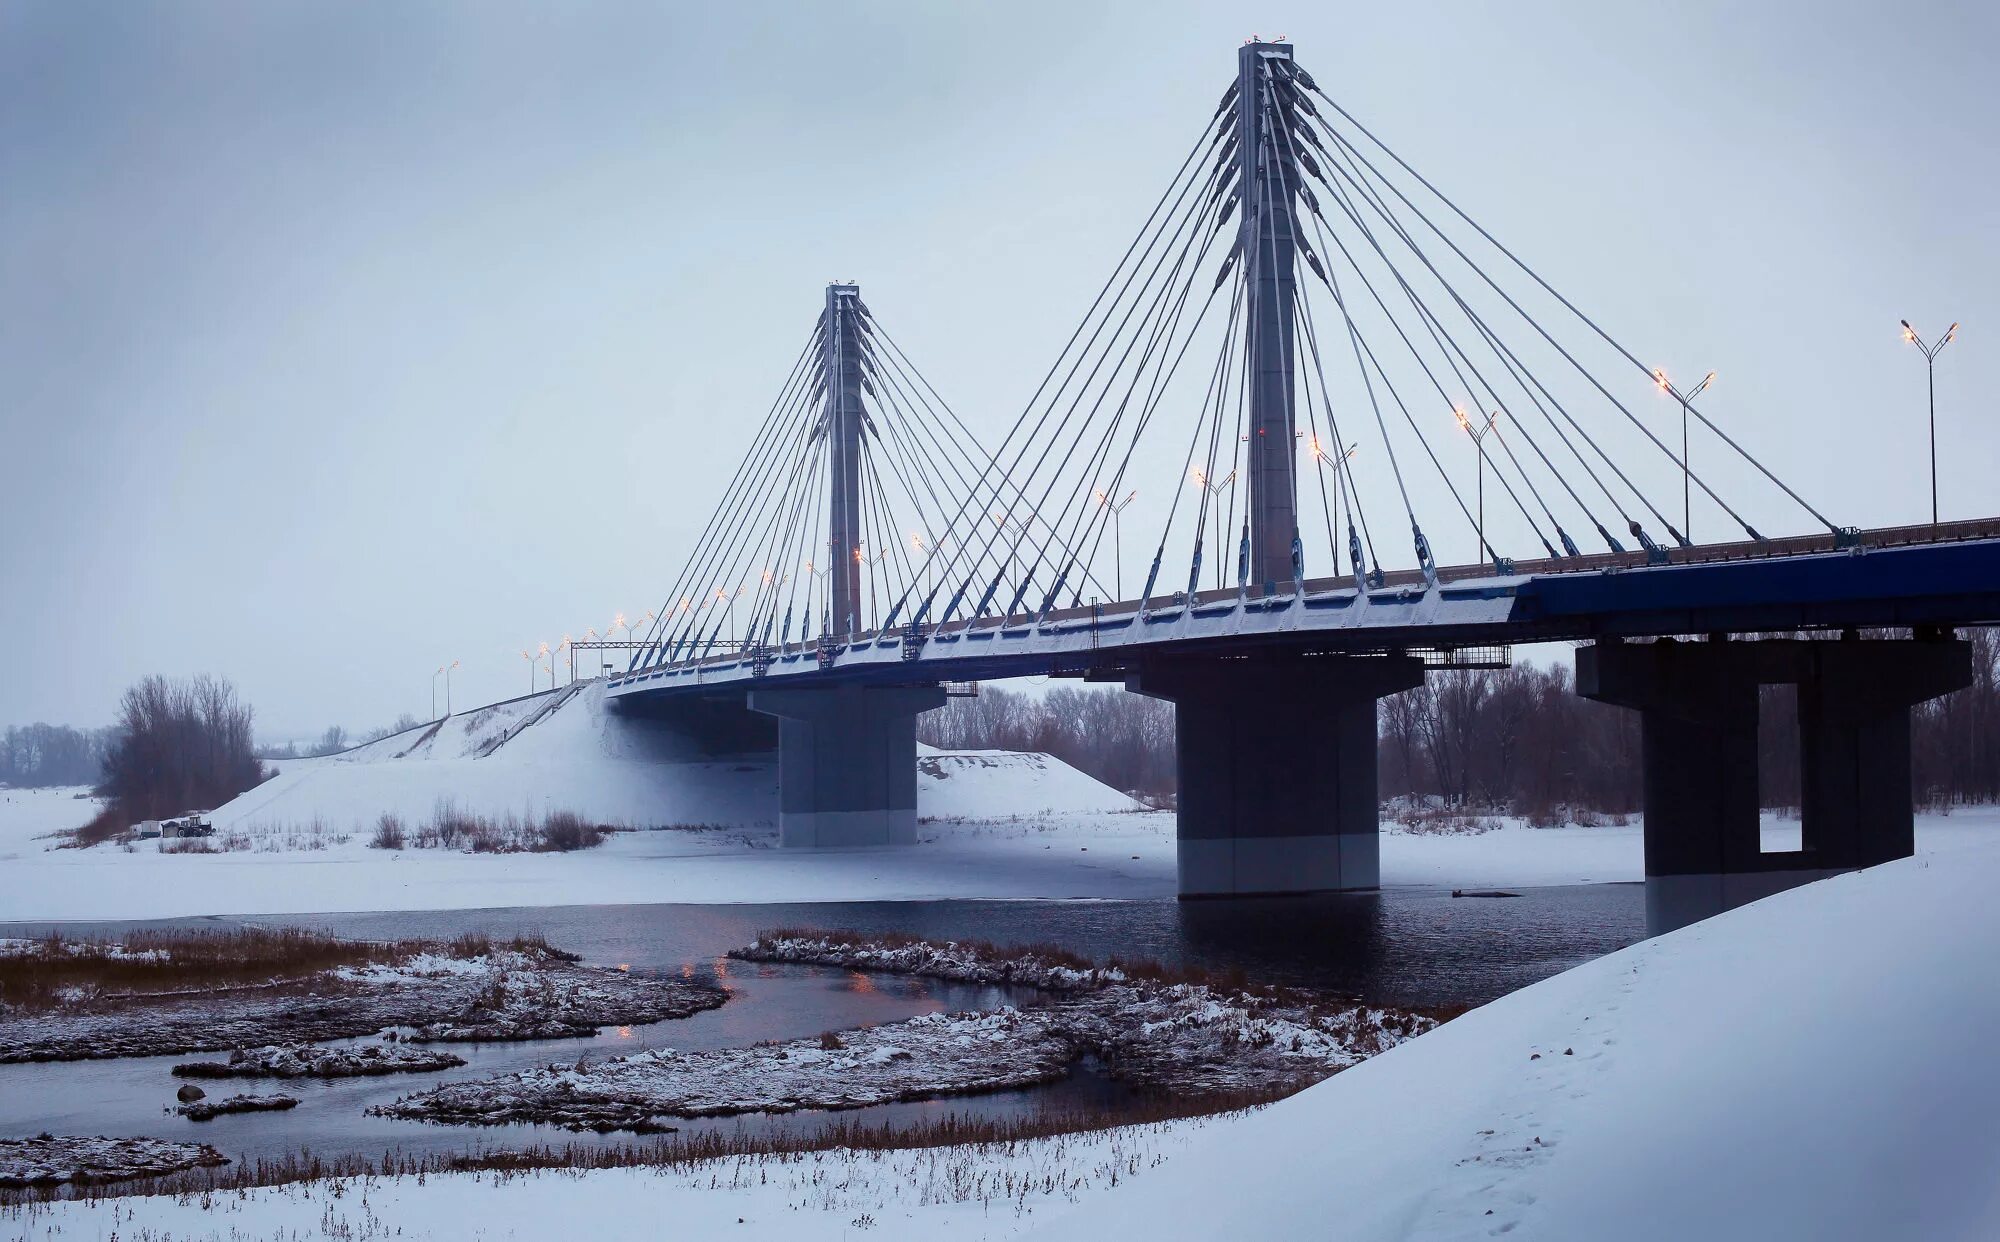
pixel 1267 175
pixel 840 363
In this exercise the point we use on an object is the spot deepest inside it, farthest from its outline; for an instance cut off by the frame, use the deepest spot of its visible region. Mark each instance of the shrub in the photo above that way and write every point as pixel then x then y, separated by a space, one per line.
pixel 563 831
pixel 388 833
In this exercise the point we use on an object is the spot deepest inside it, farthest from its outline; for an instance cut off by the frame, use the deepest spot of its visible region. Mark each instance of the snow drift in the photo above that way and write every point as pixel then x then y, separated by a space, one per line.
pixel 563 750
pixel 1816 1065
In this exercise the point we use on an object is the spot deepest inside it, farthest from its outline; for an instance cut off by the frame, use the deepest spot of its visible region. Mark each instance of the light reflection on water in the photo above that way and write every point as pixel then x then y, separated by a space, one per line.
pixel 1408 946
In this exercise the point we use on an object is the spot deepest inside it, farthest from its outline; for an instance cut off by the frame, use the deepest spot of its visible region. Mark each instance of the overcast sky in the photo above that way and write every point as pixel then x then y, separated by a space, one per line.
pixel 338 341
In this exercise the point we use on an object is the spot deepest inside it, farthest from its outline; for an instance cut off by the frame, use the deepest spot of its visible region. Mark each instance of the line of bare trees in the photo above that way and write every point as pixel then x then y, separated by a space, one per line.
pixel 1124 740
pixel 40 755
pixel 1516 739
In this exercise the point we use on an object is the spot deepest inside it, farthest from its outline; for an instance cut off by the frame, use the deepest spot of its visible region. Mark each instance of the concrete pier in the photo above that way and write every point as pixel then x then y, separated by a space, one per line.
pixel 1698 704
pixel 1276 767
pixel 847 762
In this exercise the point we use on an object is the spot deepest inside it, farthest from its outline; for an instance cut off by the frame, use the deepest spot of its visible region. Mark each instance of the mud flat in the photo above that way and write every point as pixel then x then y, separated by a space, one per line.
pixel 1146 1028
pixel 52 1161
pixel 429 994
pixel 207 1110
pixel 307 1061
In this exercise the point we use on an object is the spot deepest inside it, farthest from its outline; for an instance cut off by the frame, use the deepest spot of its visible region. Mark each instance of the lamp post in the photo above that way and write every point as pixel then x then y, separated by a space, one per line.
pixel 1000 520
pixel 529 656
pixel 1117 540
pixel 1930 353
pixel 1478 434
pixel 1215 490
pixel 1327 461
pixel 434 691
pixel 816 578
pixel 1685 398
pixel 918 546
pixel 447 687
pixel 544 652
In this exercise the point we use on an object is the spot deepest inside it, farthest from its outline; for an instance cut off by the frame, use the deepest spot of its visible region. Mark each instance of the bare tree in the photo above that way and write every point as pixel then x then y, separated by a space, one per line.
pixel 183 745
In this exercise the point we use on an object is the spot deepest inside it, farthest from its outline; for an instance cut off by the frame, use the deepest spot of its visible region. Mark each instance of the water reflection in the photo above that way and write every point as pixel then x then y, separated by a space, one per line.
pixel 1405 946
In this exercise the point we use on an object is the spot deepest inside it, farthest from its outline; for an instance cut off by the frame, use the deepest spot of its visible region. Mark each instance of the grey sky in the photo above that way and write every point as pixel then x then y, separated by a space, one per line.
pixel 338 341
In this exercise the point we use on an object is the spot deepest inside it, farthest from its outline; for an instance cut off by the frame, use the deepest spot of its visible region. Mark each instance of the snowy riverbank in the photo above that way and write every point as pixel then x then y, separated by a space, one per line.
pixel 1811 1066
pixel 1192 1039
pixel 427 995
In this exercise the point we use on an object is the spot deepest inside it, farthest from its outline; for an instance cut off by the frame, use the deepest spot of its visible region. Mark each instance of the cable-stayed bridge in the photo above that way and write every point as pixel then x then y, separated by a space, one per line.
pixel 1297 379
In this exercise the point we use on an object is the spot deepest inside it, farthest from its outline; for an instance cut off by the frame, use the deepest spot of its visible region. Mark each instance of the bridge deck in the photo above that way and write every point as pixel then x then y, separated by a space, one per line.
pixel 1912 575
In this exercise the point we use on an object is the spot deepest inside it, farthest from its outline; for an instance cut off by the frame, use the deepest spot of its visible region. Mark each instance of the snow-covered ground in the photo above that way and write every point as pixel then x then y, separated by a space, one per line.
pixel 564 750
pixel 953 1192
pixel 1816 1065
pixel 983 846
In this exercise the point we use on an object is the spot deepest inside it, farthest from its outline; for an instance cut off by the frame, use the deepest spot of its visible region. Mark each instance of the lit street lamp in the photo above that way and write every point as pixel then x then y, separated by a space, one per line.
pixel 817 578
pixel 1478 435
pixel 1685 398
pixel 1930 353
pixel 1117 542
pixel 1215 490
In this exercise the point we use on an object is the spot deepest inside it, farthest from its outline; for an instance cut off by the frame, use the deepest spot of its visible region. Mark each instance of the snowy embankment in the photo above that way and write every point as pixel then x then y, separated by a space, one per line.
pixel 997 824
pixel 566 750
pixel 1814 1066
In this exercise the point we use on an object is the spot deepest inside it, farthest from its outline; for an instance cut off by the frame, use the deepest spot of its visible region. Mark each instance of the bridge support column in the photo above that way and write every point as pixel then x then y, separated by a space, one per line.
pixel 1698 705
pixel 1276 767
pixel 847 762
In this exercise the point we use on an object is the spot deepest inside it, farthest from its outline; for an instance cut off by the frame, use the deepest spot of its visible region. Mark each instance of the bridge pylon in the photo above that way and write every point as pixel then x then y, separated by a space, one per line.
pixel 1268 177
pixel 840 360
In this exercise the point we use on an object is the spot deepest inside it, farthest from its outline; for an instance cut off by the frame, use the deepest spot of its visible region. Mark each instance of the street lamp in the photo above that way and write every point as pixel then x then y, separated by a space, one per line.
pixel 816 578
pixel 1478 434
pixel 529 656
pixel 434 691
pixel 1215 490
pixel 447 687
pixel 1685 398
pixel 1117 542
pixel 1930 353
pixel 544 652
pixel 924 574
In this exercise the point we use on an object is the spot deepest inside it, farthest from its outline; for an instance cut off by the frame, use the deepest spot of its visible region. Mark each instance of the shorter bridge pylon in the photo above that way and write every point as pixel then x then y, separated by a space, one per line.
pixel 1275 762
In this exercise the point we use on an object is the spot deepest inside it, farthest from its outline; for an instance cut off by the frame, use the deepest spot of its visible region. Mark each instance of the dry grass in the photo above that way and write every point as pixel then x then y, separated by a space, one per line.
pixel 59 970
pixel 453 829
pixel 971 1132
pixel 1054 954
